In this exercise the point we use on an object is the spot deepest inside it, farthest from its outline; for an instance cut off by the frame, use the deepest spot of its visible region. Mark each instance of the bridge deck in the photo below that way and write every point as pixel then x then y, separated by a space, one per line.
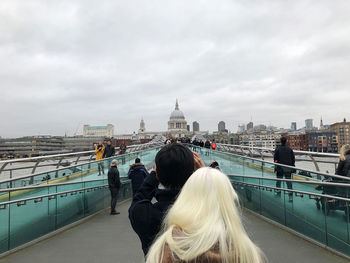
pixel 106 238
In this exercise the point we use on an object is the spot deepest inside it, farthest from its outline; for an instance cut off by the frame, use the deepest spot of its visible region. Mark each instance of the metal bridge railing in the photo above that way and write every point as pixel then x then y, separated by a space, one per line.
pixel 30 165
pixel 314 157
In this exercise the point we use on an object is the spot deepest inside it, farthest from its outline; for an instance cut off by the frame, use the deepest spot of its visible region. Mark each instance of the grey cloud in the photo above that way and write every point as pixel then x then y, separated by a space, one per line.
pixel 97 62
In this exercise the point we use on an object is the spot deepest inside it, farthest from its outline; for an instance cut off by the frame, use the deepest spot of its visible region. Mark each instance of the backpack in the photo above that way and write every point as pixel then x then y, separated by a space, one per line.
pixel 213 146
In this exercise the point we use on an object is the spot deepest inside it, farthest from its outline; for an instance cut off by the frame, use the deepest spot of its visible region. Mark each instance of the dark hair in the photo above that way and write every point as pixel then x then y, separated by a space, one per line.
pixel 283 140
pixel 214 164
pixel 137 160
pixel 175 164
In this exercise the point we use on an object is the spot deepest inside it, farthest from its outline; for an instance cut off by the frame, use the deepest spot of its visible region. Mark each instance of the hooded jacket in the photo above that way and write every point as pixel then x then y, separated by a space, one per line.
pixel 137 173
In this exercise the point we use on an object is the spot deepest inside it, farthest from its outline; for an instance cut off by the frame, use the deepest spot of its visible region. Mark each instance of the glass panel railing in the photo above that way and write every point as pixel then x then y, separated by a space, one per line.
pixel 81 193
pixel 48 208
pixel 319 217
pixel 83 172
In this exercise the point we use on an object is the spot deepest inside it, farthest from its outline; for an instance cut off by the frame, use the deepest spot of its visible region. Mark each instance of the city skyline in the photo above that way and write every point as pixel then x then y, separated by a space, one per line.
pixel 79 131
pixel 88 62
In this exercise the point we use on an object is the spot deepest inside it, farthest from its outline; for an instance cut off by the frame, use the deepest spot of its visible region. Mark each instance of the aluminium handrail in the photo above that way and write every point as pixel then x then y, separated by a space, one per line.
pixel 293 180
pixel 14 189
pixel 292 190
pixel 73 166
pixel 272 150
pixel 48 157
pixel 283 165
pixel 54 194
pixel 65 154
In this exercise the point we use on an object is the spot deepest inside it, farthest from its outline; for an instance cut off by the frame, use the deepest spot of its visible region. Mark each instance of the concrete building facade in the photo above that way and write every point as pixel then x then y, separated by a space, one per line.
pixel 98 131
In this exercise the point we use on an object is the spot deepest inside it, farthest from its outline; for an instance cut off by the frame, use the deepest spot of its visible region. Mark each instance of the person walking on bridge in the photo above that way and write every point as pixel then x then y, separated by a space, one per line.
pixel 284 155
pixel 114 185
pixel 99 150
pixel 137 173
pixel 109 152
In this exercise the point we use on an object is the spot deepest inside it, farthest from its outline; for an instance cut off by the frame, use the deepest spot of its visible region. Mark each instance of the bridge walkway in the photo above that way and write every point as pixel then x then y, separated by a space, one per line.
pixel 110 239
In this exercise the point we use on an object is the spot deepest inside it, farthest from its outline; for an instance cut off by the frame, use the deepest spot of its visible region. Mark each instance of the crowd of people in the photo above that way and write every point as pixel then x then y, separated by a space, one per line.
pixel 195 142
pixel 183 211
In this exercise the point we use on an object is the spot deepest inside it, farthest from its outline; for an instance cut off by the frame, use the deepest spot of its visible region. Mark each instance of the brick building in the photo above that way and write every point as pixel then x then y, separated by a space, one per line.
pixel 342 130
pixel 297 141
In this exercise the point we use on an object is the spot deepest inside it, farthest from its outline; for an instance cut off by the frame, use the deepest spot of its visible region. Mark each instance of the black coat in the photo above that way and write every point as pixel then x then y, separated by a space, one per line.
pixel 344 167
pixel 113 178
pixel 137 173
pixel 207 144
pixel 146 217
pixel 284 155
pixel 109 151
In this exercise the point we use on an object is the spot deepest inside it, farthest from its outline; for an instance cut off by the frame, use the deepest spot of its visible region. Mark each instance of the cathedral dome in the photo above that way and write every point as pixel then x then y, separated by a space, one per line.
pixel 177 114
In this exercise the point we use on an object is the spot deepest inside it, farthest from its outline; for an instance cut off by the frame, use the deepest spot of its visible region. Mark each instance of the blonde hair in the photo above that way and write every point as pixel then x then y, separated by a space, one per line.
pixel 207 214
pixel 344 150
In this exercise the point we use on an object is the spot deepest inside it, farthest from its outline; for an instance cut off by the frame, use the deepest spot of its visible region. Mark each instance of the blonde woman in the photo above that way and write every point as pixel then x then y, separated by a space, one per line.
pixel 204 225
pixel 344 161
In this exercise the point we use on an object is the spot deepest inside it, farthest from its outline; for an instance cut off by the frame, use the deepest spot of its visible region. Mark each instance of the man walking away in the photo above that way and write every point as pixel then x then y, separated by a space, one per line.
pixel 284 155
pixel 207 145
pixel 99 150
pixel 137 173
pixel 114 185
pixel 109 152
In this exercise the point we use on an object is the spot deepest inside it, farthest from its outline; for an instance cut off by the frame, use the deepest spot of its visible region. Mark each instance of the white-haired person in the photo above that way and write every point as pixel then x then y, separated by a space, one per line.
pixel 204 225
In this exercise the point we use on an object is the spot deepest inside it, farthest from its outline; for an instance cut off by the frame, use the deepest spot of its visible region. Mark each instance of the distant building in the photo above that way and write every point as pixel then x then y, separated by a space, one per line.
pixel 31 146
pixel 297 141
pixel 260 127
pixel 250 126
pixel 264 139
pixel 221 127
pixel 188 127
pixel 98 131
pixel 321 124
pixel 343 132
pixel 80 143
pixel 142 126
pixel 326 127
pixel 309 124
pixel 322 141
pixel 293 126
pixel 177 124
pixel 234 138
pixel 241 128
pixel 219 137
pixel 195 126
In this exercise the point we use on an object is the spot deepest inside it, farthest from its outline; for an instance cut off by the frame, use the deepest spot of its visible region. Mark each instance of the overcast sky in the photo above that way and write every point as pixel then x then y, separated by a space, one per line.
pixel 67 63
